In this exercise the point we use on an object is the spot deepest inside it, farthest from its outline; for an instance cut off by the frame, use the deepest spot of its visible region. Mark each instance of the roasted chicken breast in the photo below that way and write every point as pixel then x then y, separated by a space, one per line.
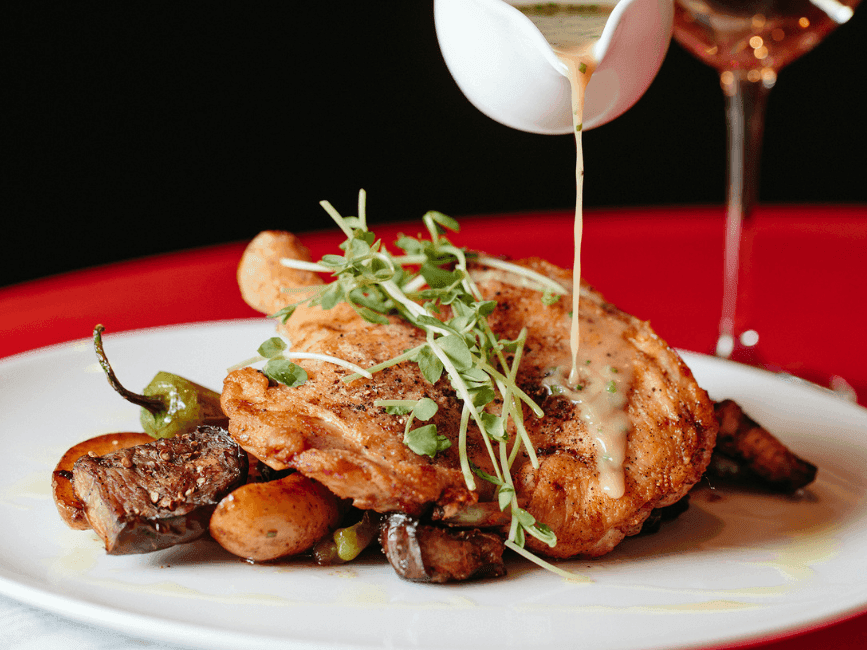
pixel 592 494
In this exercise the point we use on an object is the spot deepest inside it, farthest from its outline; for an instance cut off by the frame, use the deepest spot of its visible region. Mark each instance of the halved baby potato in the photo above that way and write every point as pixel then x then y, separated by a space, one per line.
pixel 266 521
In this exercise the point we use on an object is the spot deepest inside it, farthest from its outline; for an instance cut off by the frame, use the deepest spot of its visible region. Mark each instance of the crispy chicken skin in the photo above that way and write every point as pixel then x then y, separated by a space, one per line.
pixel 673 428
pixel 332 433
pixel 330 430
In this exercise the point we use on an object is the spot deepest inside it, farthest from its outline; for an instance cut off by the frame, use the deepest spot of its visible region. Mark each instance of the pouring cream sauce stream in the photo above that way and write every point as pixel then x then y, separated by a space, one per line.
pixel 598 387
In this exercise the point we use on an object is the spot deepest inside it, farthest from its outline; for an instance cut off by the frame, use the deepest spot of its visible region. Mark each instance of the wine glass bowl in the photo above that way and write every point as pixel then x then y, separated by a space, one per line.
pixel 756 38
pixel 748 42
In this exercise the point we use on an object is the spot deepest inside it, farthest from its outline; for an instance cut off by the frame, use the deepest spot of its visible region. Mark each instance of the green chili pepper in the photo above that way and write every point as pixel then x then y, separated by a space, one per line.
pixel 171 404
pixel 345 544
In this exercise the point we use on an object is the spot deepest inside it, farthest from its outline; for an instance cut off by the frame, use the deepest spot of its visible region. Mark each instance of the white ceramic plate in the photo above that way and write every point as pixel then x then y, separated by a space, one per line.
pixel 736 566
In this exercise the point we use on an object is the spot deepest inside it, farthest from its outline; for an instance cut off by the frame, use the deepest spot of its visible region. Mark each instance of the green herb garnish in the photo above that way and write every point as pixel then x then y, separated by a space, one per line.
pixel 429 279
pixel 423 440
pixel 549 298
pixel 285 372
pixel 280 367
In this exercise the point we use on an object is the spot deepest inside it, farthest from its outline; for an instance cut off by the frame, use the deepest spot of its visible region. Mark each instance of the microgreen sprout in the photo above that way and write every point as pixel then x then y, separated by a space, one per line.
pixel 532 278
pixel 277 354
pixel 429 286
pixel 549 298
pixel 423 440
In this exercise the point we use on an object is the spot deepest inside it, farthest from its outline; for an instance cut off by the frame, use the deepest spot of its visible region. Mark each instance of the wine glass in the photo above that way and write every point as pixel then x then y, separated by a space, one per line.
pixel 748 42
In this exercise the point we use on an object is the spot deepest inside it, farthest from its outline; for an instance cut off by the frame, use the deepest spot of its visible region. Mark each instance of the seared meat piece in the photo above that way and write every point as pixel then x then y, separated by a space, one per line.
pixel 330 430
pixel 159 494
pixel 746 450
pixel 669 418
pixel 69 507
pixel 425 553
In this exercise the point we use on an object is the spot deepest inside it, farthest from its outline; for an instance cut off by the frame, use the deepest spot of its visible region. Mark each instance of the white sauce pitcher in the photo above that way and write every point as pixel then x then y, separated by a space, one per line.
pixel 506 68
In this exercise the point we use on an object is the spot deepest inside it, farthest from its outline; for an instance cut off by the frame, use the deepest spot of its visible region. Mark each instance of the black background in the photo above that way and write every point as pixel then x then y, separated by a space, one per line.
pixel 137 128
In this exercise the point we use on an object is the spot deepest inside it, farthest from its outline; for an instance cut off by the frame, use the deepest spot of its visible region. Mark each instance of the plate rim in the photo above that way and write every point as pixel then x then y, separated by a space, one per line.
pixel 41 596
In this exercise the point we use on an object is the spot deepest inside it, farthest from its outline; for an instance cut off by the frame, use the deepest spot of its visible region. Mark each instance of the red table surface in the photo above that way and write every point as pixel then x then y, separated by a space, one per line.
pixel 804 292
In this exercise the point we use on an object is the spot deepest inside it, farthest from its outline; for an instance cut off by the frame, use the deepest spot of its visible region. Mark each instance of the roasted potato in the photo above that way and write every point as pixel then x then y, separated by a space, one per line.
pixel 266 521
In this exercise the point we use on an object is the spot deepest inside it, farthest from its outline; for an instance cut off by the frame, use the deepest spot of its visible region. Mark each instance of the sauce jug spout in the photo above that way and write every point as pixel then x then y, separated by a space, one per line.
pixel 507 68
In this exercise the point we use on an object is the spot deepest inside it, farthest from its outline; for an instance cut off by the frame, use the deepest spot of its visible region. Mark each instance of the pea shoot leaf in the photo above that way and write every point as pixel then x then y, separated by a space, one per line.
pixel 409 245
pixel 457 351
pixel 439 278
pixel 504 496
pixel 272 347
pixel 490 478
pixel 285 372
pixel 370 316
pixel 331 296
pixel 425 409
pixel 429 364
pixel 444 220
pixel 333 261
pixel 358 247
pixel 476 377
pixel 485 308
pixel 483 396
pixel 494 427
pixel 284 314
pixel 426 441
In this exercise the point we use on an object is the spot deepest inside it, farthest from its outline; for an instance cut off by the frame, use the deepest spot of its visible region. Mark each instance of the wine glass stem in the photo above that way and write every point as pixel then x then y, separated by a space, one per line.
pixel 745 117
